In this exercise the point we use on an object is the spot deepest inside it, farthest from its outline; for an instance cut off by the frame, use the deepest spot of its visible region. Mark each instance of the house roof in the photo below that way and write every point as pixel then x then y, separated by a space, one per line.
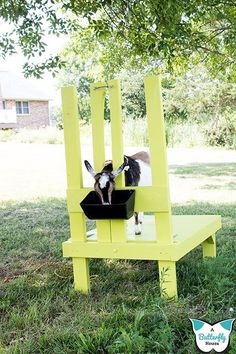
pixel 17 88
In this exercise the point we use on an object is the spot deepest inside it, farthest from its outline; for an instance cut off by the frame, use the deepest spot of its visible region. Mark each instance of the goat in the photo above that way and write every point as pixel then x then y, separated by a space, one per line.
pixel 137 172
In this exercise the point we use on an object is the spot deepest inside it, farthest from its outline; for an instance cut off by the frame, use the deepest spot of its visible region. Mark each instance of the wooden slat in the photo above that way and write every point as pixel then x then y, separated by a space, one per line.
pixel 118 227
pixel 77 226
pixel 116 127
pixel 73 157
pixel 72 137
pixel 143 199
pixel 189 232
pixel 157 143
pixel 118 250
pixel 97 99
pixel 97 95
pixel 156 130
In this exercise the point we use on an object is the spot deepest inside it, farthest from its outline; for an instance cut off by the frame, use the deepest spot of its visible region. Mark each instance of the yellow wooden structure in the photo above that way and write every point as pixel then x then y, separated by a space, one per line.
pixel 165 238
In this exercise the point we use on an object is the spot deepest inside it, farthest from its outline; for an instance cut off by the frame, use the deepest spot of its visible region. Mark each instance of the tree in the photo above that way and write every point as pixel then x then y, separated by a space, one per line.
pixel 154 32
pixel 190 98
pixel 82 67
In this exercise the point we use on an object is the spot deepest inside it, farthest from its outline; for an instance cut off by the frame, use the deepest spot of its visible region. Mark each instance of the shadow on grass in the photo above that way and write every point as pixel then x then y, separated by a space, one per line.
pixel 203 169
pixel 34 231
pixel 40 311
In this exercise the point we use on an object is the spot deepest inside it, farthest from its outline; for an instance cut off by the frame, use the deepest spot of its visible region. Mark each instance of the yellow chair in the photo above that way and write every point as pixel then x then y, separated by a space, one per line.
pixel 165 238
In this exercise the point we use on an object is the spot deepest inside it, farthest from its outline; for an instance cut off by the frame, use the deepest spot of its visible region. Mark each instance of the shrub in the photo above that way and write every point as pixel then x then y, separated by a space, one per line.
pixel 222 131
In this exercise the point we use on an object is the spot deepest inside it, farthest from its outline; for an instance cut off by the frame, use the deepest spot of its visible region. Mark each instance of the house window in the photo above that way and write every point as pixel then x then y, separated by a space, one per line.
pixel 22 107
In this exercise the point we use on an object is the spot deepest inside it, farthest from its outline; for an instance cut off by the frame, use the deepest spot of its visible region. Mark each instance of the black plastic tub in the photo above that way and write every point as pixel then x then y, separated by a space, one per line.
pixel 122 206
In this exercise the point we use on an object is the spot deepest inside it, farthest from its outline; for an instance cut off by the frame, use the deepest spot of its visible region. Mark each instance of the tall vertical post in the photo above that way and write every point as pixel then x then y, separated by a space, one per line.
pixel 97 94
pixel 74 181
pixel 118 227
pixel 97 102
pixel 157 143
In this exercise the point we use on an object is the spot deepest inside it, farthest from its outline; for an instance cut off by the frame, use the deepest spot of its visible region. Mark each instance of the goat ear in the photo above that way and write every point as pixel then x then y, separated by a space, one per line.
pixel 89 168
pixel 119 170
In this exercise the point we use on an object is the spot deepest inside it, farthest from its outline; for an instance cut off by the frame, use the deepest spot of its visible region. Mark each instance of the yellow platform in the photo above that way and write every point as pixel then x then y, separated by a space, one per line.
pixel 188 232
pixel 165 238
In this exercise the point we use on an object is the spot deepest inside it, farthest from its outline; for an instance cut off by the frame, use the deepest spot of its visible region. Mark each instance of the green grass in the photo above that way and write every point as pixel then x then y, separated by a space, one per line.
pixel 41 313
pixel 186 134
pixel 205 169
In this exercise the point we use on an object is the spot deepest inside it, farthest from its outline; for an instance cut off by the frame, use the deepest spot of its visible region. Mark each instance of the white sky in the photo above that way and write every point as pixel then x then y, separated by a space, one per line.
pixel 14 64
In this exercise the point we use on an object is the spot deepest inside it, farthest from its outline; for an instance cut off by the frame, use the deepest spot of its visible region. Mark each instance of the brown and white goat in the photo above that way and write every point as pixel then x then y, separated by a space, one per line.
pixel 137 173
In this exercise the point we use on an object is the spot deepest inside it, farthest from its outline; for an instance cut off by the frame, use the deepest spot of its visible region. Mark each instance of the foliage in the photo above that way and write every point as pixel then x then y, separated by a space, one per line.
pixel 56 117
pixel 169 32
pixel 84 65
pixel 197 98
pixel 193 98
pixel 223 131
pixel 29 22
pixel 133 99
pixel 82 68
pixel 158 32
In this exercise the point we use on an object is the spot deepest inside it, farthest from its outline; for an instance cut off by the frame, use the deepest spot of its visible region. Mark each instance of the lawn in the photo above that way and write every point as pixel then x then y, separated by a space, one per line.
pixel 41 313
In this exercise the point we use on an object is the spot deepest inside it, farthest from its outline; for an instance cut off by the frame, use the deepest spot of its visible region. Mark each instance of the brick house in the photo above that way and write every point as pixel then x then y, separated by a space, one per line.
pixel 22 105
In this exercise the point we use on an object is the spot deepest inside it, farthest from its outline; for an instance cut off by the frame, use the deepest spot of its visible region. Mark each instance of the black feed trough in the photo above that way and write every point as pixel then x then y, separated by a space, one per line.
pixel 122 206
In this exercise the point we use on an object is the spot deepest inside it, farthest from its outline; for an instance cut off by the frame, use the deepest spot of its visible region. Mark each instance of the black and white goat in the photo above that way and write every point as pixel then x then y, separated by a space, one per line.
pixel 137 173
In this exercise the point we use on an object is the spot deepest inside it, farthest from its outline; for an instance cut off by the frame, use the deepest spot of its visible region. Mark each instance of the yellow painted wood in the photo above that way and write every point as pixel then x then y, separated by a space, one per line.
pixel 192 230
pixel 209 247
pixel 72 137
pixel 97 94
pixel 157 144
pixel 73 154
pixel 189 232
pixel 144 200
pixel 163 227
pixel 81 274
pixel 103 230
pixel 74 180
pixel 97 97
pixel 167 278
pixel 118 250
pixel 116 127
pixel 186 225
pixel 77 226
pixel 118 227
pixel 165 238
pixel 156 130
